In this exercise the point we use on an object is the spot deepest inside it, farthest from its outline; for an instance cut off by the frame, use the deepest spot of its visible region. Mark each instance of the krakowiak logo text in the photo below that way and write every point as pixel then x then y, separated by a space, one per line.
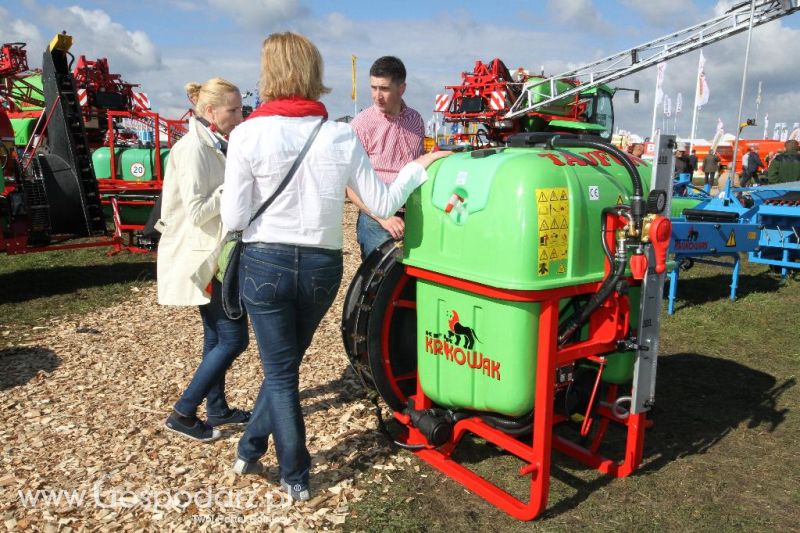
pixel 457 347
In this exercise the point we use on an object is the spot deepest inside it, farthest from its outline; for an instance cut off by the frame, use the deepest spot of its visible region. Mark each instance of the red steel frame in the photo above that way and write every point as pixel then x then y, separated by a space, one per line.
pixel 110 187
pixel 608 324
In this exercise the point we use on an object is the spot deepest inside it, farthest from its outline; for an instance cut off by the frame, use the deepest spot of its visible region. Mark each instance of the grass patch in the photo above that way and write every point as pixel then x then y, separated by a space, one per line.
pixel 721 455
pixel 40 286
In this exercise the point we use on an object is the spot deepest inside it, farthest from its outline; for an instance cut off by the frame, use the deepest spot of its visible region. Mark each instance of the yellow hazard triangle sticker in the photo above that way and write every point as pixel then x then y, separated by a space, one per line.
pixel 731 242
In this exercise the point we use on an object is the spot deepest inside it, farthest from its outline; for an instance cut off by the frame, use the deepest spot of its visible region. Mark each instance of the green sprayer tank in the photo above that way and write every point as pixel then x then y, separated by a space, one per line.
pixel 132 164
pixel 520 219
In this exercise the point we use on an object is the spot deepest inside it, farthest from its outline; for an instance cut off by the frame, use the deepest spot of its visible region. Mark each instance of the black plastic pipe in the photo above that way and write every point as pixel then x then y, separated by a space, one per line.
pixel 638 204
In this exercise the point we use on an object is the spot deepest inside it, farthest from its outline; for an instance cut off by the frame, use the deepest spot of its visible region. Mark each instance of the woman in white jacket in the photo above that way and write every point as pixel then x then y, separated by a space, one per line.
pixel 291 266
pixel 192 234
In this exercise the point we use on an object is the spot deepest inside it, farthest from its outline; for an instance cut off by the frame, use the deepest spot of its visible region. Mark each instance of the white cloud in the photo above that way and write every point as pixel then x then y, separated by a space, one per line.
pixel 17 30
pixel 667 14
pixel 722 6
pixel 578 13
pixel 97 35
pixel 262 14
pixel 436 50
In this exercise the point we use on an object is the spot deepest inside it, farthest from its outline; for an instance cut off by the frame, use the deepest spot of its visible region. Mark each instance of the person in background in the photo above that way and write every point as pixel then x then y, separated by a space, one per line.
pixel 191 237
pixel 693 162
pixel 785 167
pixel 710 167
pixel 682 164
pixel 291 264
pixel 392 135
pixel 751 164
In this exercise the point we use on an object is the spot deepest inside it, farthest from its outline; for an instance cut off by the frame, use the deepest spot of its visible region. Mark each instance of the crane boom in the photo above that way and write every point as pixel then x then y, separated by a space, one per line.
pixel 621 64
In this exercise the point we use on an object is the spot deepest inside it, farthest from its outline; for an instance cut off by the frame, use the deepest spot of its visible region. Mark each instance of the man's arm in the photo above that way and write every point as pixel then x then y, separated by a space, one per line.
pixel 394 225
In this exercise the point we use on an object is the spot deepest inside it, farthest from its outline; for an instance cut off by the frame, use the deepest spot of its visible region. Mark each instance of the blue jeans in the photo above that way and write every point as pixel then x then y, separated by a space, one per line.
pixel 286 291
pixel 223 340
pixel 370 234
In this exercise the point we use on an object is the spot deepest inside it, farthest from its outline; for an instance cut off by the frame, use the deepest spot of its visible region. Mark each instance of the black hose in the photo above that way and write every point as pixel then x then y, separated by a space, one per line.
pixel 501 422
pixel 608 286
pixel 603 230
pixel 638 209
pixel 385 430
pixel 638 204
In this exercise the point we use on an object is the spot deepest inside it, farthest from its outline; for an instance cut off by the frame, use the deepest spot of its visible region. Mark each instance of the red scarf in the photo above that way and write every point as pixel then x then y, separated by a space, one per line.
pixel 293 106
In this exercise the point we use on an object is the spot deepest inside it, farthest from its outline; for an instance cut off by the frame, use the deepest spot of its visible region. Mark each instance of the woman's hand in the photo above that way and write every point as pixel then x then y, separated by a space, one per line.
pixel 426 159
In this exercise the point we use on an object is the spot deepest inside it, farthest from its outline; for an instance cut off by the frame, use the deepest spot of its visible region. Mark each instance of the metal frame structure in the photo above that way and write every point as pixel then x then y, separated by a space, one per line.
pixel 627 62
pixel 13 87
pixel 608 326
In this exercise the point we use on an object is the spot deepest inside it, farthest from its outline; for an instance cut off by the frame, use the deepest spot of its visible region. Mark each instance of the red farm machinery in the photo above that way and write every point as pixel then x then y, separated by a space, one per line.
pixel 81 149
pixel 523 306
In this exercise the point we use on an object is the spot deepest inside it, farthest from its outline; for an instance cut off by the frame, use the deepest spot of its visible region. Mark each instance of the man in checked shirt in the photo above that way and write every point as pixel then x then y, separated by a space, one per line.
pixel 392 135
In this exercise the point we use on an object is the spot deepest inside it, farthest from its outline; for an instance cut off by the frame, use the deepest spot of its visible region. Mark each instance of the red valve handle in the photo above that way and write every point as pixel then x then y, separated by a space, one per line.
pixel 660 234
pixel 638 266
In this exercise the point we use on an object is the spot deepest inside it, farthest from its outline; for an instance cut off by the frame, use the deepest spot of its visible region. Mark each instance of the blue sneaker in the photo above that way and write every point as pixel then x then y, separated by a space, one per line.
pixel 236 417
pixel 297 491
pixel 196 430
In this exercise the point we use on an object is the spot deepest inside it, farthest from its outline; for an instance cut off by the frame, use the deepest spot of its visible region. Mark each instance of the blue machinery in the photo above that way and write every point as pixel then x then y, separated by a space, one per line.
pixel 767 227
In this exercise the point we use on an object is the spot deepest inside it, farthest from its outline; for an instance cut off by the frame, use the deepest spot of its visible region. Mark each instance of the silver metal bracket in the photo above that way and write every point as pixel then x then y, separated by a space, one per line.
pixel 649 328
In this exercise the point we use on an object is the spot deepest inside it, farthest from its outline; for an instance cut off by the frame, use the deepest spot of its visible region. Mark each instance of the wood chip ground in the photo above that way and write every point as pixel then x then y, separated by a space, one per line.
pixel 83 403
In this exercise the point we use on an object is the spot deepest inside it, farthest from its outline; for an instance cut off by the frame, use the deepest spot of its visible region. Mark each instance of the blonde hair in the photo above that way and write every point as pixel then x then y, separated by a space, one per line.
pixel 290 66
pixel 211 93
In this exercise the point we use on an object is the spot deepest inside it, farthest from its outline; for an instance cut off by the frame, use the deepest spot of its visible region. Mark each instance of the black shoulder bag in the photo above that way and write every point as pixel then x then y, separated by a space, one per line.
pixel 229 259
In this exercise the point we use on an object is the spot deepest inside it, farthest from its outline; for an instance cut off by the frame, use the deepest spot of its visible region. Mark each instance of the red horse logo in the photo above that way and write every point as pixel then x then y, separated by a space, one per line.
pixel 458 330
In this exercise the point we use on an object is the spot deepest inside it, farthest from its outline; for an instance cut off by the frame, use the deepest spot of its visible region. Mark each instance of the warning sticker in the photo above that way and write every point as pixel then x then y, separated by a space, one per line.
pixel 552 206
pixel 731 242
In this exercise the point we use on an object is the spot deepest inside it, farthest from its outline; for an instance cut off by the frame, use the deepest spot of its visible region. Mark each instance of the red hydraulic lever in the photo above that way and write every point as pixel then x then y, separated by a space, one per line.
pixel 660 233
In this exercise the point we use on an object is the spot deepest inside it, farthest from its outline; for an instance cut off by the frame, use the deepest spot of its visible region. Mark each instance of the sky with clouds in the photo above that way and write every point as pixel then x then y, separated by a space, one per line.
pixel 162 44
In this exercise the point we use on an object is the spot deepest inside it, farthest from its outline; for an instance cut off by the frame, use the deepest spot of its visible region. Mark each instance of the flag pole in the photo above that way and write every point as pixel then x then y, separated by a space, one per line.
pixel 732 173
pixel 655 107
pixel 675 124
pixel 758 100
pixel 696 96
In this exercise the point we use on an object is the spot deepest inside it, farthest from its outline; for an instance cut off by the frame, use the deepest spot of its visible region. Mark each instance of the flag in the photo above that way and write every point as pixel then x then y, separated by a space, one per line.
pixel 758 97
pixel 702 84
pixel 678 104
pixel 660 82
pixel 353 93
pixel 667 106
pixel 766 124
pixel 718 135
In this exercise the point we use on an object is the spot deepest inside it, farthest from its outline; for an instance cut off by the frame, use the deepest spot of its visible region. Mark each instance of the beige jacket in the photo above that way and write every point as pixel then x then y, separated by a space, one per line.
pixel 190 225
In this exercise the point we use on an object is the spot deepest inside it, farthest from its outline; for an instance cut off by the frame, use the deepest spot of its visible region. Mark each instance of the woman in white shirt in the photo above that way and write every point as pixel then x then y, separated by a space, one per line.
pixel 191 233
pixel 291 266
